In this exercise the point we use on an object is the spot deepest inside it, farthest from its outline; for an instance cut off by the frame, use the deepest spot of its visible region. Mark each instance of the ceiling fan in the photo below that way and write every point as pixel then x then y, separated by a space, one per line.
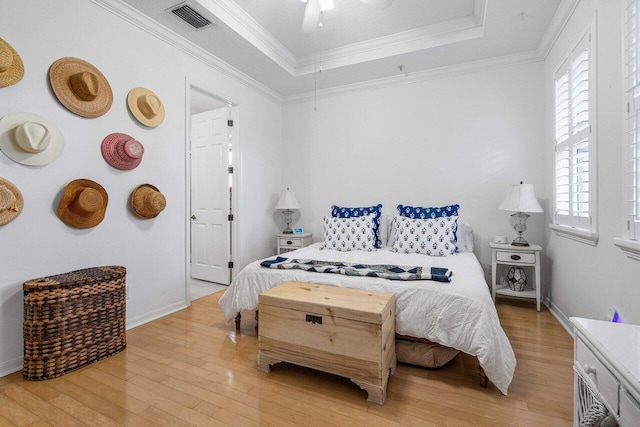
pixel 315 7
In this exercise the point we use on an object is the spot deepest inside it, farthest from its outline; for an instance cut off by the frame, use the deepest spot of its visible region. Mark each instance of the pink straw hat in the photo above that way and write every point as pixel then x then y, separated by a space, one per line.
pixel 122 151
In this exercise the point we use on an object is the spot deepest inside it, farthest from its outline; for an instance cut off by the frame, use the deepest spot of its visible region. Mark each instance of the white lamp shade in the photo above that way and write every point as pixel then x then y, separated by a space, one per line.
pixel 287 201
pixel 521 198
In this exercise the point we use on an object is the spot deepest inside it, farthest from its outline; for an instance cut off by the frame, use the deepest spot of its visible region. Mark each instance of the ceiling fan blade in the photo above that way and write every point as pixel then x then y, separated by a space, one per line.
pixel 311 16
pixel 380 4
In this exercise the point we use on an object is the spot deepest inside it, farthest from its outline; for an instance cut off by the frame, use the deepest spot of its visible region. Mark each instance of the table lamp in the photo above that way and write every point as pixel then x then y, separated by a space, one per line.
pixel 521 199
pixel 287 204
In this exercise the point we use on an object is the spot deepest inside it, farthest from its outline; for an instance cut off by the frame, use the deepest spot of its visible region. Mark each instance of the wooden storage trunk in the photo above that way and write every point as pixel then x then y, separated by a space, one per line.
pixel 343 331
pixel 72 320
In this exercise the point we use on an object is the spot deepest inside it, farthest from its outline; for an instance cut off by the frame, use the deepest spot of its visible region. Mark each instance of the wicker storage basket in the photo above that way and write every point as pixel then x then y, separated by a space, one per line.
pixel 72 320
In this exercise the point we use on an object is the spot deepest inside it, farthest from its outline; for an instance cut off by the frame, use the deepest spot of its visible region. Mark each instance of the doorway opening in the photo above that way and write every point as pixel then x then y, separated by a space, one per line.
pixel 211 141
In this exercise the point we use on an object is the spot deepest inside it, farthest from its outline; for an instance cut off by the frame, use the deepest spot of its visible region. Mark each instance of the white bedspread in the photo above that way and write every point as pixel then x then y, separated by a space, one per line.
pixel 459 314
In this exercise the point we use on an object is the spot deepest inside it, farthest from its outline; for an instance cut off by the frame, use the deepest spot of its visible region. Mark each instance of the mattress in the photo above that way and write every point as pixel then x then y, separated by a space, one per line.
pixel 459 314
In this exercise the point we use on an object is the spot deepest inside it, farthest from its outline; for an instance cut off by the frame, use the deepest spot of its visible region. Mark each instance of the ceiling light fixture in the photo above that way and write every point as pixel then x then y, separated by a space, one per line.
pixel 314 9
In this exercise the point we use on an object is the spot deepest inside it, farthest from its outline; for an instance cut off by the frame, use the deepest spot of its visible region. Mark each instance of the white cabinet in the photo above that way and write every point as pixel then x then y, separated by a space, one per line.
pixel 516 256
pixel 607 372
pixel 291 242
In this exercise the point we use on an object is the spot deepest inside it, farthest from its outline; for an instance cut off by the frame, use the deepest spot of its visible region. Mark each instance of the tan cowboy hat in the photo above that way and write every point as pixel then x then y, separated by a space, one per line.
pixel 11 66
pixel 80 87
pixel 11 201
pixel 83 204
pixel 145 106
pixel 147 201
pixel 30 139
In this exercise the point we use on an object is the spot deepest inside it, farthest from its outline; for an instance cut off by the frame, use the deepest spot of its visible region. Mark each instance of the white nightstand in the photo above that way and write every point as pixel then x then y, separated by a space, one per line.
pixel 522 256
pixel 291 242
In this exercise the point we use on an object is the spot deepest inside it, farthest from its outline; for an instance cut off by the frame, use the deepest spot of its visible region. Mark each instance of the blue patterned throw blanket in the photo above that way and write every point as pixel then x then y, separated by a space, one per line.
pixel 391 272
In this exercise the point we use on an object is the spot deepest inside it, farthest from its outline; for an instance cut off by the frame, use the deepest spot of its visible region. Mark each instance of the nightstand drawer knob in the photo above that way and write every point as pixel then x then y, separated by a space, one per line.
pixel 289 242
pixel 515 257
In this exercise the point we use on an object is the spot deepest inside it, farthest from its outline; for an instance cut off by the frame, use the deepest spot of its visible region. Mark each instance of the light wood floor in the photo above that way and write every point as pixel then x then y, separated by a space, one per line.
pixel 190 368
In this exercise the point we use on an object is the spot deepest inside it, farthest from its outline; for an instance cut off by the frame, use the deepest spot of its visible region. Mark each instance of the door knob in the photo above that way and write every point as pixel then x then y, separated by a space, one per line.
pixel 193 217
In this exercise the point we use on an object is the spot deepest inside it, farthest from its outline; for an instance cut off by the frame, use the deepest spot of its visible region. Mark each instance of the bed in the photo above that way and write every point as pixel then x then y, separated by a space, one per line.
pixel 459 314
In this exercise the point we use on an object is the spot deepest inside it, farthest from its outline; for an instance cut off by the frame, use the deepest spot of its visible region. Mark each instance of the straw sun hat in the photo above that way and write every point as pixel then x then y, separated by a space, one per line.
pixel 11 66
pixel 30 139
pixel 11 201
pixel 145 106
pixel 147 201
pixel 80 87
pixel 83 204
pixel 122 151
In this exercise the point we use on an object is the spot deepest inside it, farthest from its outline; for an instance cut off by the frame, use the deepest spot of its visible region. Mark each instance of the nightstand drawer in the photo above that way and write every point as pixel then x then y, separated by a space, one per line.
pixel 629 410
pixel 605 382
pixel 290 243
pixel 515 257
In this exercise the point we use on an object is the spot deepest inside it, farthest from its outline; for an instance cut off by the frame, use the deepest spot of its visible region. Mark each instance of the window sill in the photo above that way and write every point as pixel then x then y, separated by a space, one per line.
pixel 631 248
pixel 579 235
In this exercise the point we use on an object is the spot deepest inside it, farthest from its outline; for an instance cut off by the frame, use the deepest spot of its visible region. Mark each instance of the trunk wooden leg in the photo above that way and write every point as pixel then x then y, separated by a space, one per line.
pixel 484 381
pixel 265 362
pixel 238 319
pixel 375 393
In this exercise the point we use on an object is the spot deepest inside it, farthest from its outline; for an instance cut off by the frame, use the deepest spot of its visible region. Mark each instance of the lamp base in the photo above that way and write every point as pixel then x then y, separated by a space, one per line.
pixel 287 230
pixel 520 226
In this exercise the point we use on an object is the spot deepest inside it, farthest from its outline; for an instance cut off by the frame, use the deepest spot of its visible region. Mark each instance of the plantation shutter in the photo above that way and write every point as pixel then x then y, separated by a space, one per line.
pixel 632 137
pixel 573 139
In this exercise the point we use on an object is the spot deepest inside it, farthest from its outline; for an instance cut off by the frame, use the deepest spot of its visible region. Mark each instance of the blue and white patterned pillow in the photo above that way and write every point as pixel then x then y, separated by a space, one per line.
pixel 349 234
pixel 431 212
pixel 345 212
pixel 429 236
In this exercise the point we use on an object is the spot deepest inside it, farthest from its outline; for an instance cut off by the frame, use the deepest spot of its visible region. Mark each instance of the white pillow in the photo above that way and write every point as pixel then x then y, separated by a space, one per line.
pixel 349 234
pixel 430 236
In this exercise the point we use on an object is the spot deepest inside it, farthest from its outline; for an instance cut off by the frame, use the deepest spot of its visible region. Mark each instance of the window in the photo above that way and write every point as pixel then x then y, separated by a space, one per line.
pixel 632 136
pixel 575 184
pixel 630 241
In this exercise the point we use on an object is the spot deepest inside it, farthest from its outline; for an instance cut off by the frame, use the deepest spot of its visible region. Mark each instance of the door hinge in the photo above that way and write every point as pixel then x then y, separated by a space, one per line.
pixel 230 265
pixel 230 217
pixel 230 123
pixel 230 169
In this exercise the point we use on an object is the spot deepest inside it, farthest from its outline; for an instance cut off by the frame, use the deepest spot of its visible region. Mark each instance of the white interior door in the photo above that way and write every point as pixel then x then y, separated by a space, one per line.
pixel 210 244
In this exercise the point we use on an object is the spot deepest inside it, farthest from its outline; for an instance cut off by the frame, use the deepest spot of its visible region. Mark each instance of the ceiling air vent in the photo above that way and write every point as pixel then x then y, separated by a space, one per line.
pixel 190 16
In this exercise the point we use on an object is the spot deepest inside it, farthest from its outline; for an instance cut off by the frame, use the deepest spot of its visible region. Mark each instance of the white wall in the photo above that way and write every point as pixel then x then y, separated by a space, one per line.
pixel 585 280
pixel 38 244
pixel 460 139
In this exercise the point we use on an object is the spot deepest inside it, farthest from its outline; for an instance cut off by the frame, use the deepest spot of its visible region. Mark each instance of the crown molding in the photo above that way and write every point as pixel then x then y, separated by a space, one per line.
pixel 453 31
pixel 456 30
pixel 248 28
pixel 143 22
pixel 417 77
pixel 558 22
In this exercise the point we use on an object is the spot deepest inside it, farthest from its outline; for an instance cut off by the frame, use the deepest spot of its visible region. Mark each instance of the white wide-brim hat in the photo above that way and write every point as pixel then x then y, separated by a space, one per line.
pixel 30 139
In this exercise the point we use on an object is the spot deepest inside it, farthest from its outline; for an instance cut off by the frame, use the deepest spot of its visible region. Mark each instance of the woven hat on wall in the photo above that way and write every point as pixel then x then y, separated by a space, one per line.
pixel 145 106
pixel 122 151
pixel 147 201
pixel 11 66
pixel 83 204
pixel 80 87
pixel 30 139
pixel 11 201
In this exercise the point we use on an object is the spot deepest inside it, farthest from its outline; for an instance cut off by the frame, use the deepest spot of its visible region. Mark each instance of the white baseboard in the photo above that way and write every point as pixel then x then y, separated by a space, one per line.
pixel 559 315
pixel 10 366
pixel 155 314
